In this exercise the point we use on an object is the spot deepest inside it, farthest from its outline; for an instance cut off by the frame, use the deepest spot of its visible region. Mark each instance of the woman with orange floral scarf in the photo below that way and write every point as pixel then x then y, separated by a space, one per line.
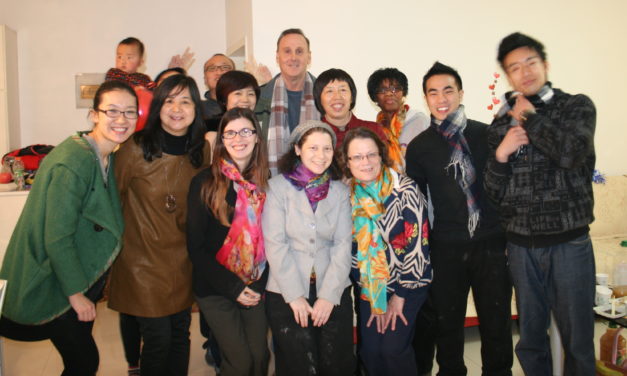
pixel 388 87
pixel 391 262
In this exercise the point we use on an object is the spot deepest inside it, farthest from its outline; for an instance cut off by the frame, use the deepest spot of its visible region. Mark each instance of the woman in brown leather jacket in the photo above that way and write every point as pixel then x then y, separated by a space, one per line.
pixel 151 279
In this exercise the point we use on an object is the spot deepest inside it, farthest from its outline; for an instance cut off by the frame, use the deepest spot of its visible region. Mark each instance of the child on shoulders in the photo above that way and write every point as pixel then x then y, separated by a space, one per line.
pixel 129 56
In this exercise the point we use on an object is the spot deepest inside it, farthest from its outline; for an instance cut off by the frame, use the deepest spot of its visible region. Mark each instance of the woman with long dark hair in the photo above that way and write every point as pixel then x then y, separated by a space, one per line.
pixel 152 277
pixel 234 89
pixel 226 245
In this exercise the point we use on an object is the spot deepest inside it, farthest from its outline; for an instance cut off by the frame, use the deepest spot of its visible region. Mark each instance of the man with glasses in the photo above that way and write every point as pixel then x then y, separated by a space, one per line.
pixel 214 68
pixel 467 242
pixel 287 100
pixel 540 173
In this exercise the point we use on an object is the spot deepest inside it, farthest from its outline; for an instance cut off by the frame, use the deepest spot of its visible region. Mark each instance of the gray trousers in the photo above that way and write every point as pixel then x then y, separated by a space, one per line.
pixel 242 335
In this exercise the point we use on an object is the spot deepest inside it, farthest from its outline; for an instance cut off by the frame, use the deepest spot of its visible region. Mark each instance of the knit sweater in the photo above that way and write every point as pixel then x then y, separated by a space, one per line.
pixel 545 197
pixel 132 79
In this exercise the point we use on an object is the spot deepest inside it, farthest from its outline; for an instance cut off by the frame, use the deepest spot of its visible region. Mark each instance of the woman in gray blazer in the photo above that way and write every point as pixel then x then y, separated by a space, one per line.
pixel 307 232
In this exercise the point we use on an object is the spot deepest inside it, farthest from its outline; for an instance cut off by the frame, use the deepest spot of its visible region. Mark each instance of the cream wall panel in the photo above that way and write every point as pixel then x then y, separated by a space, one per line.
pixel 60 38
pixel 584 40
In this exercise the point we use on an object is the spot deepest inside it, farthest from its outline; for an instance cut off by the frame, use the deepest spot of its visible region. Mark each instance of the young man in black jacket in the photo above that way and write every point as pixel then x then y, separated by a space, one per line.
pixel 467 243
pixel 540 174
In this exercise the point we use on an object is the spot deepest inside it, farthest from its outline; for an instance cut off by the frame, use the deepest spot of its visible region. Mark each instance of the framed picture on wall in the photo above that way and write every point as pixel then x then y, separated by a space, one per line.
pixel 86 86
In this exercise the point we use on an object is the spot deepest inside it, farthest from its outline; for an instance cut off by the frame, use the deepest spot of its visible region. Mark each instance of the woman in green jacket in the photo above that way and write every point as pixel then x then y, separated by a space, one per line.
pixel 68 235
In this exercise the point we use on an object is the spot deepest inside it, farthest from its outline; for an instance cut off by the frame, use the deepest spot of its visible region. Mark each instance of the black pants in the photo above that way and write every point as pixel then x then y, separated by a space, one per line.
pixel 166 344
pixel 72 338
pixel 480 265
pixel 326 350
pixel 424 336
pixel 131 339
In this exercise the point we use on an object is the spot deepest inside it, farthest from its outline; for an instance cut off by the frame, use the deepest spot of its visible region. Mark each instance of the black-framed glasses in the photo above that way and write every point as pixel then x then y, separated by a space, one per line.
pixel 221 68
pixel 114 114
pixel 389 89
pixel 358 157
pixel 244 133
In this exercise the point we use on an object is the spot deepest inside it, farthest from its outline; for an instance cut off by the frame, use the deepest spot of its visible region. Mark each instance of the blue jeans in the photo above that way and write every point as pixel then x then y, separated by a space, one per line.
pixel 559 278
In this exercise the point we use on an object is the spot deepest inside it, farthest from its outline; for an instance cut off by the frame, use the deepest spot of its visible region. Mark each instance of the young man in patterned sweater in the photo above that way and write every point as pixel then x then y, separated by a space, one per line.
pixel 540 174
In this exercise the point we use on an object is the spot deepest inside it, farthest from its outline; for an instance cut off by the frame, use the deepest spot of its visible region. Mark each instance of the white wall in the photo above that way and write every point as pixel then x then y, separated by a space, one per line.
pixel 60 38
pixel 239 24
pixel 585 42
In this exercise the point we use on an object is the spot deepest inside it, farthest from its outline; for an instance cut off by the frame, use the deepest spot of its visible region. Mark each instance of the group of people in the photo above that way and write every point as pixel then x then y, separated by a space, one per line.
pixel 275 207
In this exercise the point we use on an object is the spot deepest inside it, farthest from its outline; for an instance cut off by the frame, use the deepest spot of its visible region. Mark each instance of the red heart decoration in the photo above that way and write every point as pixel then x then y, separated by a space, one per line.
pixel 496 75
pixel 490 107
pixel 495 101
pixel 491 87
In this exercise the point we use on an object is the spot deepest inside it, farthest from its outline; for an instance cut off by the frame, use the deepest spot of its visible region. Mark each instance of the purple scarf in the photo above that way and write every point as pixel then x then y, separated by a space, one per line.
pixel 316 186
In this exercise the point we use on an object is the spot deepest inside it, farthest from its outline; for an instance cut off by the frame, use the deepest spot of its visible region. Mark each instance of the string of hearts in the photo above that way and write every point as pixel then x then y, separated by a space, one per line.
pixel 492 87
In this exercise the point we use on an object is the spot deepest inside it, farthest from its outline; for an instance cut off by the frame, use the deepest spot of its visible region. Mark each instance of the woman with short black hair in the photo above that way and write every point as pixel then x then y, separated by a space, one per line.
pixel 335 95
pixel 388 87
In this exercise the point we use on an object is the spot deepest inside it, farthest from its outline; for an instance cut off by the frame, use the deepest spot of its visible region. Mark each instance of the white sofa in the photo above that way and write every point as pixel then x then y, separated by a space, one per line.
pixel 610 225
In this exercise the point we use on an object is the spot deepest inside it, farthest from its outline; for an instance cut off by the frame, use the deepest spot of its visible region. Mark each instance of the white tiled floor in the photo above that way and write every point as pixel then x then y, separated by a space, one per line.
pixel 41 359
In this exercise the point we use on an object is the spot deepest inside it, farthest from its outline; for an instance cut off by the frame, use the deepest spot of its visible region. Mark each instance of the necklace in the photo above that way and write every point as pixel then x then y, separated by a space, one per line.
pixel 170 198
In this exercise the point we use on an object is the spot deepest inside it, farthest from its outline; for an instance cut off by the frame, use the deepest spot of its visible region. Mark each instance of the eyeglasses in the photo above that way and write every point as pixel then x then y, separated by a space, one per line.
pixel 389 89
pixel 530 63
pixel 114 114
pixel 358 157
pixel 221 68
pixel 244 133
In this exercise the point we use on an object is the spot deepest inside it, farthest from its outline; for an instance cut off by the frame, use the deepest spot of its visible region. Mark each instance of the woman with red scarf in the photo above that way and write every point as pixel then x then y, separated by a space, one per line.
pixel 226 245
